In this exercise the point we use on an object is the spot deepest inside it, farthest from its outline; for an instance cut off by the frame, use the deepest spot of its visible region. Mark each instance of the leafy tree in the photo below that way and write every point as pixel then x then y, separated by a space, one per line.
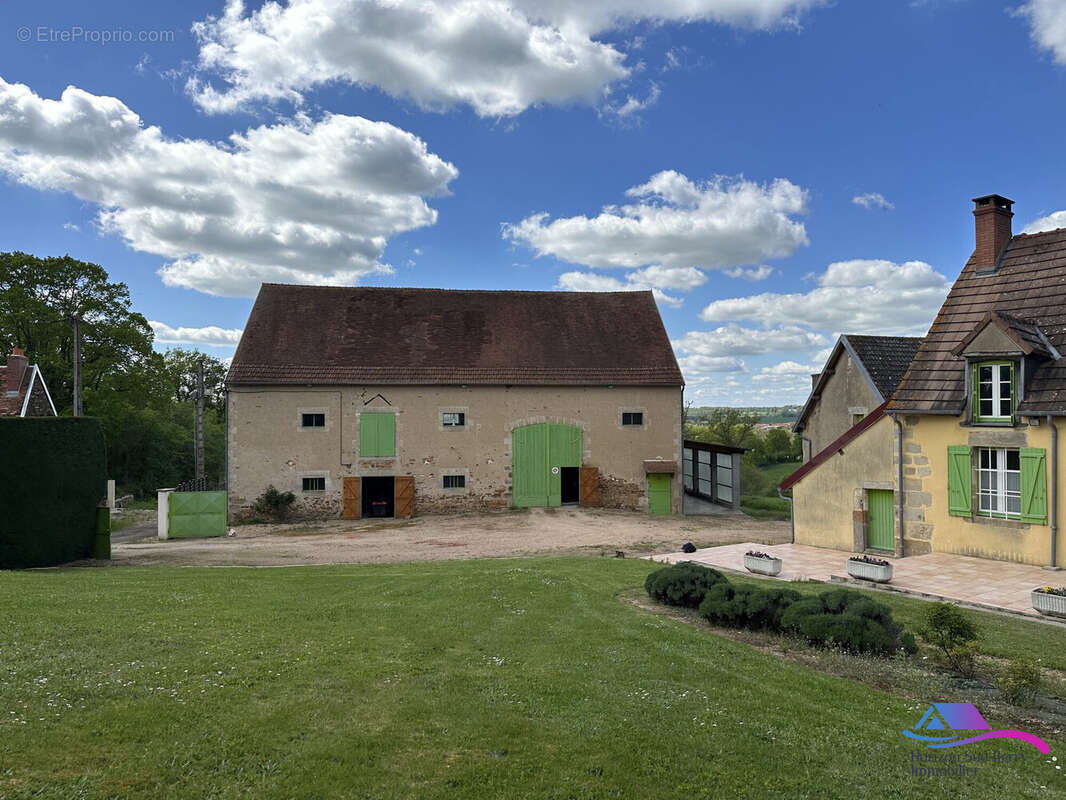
pixel 38 299
pixel 729 426
pixel 145 400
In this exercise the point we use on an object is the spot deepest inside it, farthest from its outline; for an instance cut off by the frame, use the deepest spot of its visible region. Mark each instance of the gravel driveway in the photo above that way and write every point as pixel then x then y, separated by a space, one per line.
pixel 455 536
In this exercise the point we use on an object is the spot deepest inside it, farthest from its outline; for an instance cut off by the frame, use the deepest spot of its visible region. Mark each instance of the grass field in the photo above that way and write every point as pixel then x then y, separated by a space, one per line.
pixel 494 678
pixel 768 505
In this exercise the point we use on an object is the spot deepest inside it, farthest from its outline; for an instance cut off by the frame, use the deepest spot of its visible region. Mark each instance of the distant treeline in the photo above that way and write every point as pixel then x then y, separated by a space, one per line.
pixel 767 414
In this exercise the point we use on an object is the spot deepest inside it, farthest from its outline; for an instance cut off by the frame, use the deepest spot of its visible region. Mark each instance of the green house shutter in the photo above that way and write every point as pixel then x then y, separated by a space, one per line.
pixel 1034 485
pixel 377 435
pixel 959 472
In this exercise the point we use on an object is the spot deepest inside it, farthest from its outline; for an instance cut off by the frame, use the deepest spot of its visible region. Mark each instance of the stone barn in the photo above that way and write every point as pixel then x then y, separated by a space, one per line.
pixel 381 402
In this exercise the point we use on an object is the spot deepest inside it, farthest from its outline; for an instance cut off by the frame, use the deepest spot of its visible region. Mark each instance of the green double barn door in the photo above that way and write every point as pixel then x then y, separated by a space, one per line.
pixel 538 454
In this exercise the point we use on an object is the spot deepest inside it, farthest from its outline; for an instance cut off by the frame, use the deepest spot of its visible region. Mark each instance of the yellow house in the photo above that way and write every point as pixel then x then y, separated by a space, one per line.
pixel 963 458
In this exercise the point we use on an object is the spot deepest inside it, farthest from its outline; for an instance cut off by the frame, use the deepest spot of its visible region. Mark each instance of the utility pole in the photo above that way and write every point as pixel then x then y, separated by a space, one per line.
pixel 77 366
pixel 200 419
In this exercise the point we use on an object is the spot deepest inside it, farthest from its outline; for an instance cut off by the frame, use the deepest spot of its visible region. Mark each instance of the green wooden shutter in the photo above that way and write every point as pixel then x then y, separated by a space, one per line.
pixel 1034 485
pixel 377 435
pixel 959 475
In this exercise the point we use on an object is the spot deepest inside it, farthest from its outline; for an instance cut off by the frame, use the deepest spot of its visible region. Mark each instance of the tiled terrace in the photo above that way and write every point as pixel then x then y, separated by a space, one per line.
pixel 996 585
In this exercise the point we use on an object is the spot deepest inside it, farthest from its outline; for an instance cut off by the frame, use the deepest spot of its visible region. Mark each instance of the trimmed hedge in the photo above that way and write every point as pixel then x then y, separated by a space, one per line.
pixel 848 620
pixel 682 584
pixel 747 606
pixel 54 473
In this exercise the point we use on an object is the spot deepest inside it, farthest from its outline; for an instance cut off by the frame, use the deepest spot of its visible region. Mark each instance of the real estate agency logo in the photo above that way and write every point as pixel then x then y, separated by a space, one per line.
pixel 956 724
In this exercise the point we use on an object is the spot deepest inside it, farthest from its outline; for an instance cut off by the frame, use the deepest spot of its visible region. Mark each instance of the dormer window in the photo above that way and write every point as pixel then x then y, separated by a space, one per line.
pixel 993 391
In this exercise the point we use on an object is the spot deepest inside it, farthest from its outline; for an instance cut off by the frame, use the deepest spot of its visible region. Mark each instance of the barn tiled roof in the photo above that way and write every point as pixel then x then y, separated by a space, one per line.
pixel 882 359
pixel 1028 292
pixel 368 335
pixel 885 358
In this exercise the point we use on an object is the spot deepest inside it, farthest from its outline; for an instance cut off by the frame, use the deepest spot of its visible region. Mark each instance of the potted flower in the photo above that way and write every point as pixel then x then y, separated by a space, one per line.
pixel 870 569
pixel 1050 600
pixel 762 563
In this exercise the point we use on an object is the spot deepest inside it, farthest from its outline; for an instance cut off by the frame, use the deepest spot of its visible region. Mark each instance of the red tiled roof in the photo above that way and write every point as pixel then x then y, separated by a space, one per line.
pixel 365 335
pixel 831 449
pixel 1029 285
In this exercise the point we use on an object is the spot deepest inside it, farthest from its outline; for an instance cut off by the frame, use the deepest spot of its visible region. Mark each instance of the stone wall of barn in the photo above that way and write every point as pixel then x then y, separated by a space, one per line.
pixel 268 445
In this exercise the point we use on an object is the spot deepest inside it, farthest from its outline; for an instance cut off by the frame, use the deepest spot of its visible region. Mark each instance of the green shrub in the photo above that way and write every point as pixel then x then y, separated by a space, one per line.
pixel 273 503
pixel 849 620
pixel 54 470
pixel 954 635
pixel 682 584
pixel 747 606
pixel 1020 681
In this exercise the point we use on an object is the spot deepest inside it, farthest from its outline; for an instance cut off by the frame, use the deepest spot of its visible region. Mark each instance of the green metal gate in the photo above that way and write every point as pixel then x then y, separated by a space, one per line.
pixel 539 452
pixel 880 519
pixel 196 514
pixel 659 493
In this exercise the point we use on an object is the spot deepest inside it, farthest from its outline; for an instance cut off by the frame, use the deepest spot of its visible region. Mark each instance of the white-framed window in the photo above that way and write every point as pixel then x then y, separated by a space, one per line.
pixel 999 482
pixel 453 419
pixel 313 420
pixel 314 484
pixel 995 395
pixel 454 481
pixel 634 418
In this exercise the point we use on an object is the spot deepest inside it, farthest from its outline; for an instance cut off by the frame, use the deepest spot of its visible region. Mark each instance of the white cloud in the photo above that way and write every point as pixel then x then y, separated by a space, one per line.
pixel 1048 223
pixel 786 381
pixel 677 222
pixel 859 296
pixel 733 339
pixel 759 273
pixel 497 57
pixel 301 201
pixel 70 226
pixel 872 200
pixel 1047 25
pixel 209 335
pixel 591 282
pixel 634 105
pixel 697 368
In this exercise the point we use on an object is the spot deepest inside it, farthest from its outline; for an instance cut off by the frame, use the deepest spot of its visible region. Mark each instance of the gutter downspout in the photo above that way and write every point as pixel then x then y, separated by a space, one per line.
pixel 1054 489
pixel 792 513
pixel 899 476
pixel 225 451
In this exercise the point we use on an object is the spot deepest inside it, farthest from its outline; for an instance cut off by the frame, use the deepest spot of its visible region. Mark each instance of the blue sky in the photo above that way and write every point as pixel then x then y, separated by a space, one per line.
pixel 778 171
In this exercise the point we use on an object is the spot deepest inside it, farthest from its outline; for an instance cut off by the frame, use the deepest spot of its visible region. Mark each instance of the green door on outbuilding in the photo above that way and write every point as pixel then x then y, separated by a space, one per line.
pixel 880 519
pixel 539 452
pixel 659 493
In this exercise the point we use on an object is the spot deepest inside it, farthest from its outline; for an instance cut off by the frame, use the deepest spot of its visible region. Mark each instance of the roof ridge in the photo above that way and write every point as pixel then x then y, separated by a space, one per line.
pixel 427 289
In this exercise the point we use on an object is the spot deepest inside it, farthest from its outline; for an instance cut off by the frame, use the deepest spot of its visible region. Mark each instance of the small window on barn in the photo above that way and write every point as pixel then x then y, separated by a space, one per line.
pixel 314 484
pixel 453 419
pixel 313 420
pixel 632 417
pixel 455 481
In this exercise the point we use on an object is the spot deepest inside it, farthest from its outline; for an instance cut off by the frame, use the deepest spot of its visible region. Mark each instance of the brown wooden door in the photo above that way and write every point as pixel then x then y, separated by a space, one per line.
pixel 404 496
pixel 589 488
pixel 353 502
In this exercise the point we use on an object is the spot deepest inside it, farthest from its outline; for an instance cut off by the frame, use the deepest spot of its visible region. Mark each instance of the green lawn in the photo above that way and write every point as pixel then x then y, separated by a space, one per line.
pixel 493 678
pixel 768 505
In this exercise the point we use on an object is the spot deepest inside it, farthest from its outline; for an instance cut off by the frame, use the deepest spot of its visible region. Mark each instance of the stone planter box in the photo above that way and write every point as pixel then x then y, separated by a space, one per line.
pixel 870 572
pixel 1054 605
pixel 762 566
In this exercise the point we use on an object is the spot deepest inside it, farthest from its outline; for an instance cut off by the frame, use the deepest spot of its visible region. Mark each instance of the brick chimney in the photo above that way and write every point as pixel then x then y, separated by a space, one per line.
pixel 992 214
pixel 16 368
